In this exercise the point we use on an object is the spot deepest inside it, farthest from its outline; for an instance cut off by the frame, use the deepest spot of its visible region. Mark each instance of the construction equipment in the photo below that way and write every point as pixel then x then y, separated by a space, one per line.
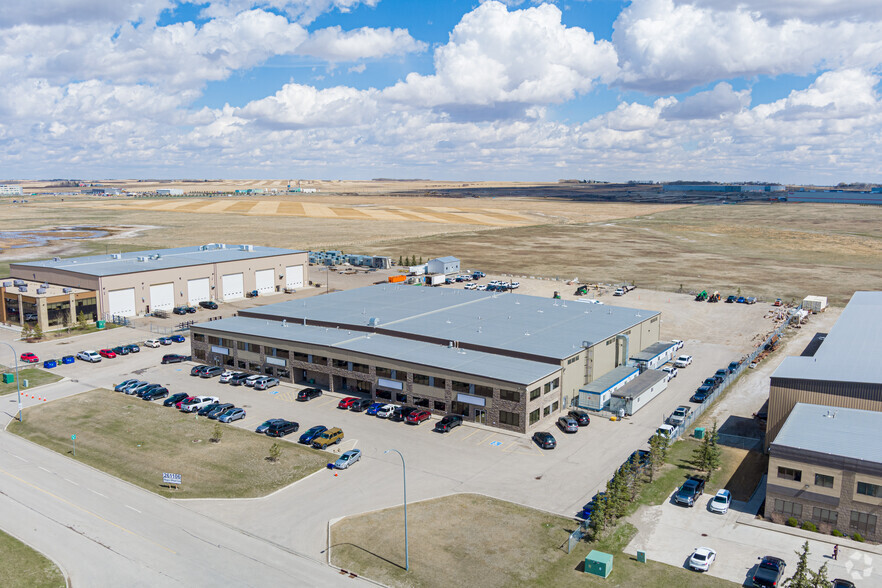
pixel 715 297
pixel 778 302
pixel 581 291
pixel 702 296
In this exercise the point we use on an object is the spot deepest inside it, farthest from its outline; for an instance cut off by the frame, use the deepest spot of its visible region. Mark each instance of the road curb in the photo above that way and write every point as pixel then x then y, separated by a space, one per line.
pixel 843 542
pixel 60 567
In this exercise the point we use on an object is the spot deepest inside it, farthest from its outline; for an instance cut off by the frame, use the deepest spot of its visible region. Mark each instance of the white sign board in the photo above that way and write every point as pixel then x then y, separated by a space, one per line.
pixel 275 361
pixel 174 479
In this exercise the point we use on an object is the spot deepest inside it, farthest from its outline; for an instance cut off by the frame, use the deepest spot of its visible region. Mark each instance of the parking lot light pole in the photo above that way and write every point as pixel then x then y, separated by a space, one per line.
pixel 404 477
pixel 17 383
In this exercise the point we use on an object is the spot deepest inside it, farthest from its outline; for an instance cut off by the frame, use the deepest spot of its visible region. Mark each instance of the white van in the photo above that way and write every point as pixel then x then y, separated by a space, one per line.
pixel 151 343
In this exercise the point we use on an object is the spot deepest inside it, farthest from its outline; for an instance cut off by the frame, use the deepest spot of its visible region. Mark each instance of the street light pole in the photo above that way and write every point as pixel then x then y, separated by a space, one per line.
pixel 404 477
pixel 17 382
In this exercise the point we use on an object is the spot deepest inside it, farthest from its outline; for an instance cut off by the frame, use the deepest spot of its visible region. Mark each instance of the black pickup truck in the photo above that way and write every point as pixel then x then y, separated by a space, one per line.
pixel 689 491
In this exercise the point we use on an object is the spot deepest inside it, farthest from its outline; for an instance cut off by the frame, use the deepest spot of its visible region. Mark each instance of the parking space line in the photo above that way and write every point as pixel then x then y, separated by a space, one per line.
pixel 331 401
pixel 484 439
pixel 470 434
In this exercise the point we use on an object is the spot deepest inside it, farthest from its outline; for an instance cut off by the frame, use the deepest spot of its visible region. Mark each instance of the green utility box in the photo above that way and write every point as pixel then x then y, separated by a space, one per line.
pixel 8 378
pixel 641 556
pixel 699 432
pixel 99 324
pixel 599 563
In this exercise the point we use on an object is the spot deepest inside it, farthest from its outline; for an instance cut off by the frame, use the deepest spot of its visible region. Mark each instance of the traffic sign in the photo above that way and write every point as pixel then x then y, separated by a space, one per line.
pixel 73 437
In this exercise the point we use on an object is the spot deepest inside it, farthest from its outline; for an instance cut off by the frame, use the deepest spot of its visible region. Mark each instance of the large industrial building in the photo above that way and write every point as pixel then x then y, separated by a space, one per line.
pixel 825 467
pixel 843 371
pixel 128 284
pixel 505 360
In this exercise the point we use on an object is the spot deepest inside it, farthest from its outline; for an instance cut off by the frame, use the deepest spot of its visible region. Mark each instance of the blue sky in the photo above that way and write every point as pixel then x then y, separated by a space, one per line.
pixel 471 90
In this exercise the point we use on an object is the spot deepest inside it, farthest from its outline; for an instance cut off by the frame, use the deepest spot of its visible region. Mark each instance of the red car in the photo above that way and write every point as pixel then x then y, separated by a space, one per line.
pixel 417 417
pixel 107 353
pixel 183 400
pixel 29 357
pixel 347 402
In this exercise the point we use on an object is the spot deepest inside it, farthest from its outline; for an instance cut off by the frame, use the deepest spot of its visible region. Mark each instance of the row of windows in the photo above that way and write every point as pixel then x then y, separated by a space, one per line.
pixel 825 481
pixel 509 418
pixel 860 521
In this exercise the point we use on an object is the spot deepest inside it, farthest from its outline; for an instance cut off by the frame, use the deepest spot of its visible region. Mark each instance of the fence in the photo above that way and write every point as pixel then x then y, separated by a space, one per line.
pixel 119 320
pixel 577 535
pixel 161 330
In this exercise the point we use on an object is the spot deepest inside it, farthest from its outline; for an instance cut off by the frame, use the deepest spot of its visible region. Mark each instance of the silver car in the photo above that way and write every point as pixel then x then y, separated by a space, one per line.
pixel 266 383
pixel 568 424
pixel 347 459
pixel 234 414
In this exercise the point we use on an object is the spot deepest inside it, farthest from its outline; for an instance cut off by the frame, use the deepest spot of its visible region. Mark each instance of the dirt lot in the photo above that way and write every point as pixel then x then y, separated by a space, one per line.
pixel 138 441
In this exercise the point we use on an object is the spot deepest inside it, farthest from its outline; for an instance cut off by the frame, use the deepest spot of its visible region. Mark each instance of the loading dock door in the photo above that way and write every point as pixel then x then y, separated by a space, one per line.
pixel 263 281
pixel 294 276
pixel 121 302
pixel 162 296
pixel 198 290
pixel 233 286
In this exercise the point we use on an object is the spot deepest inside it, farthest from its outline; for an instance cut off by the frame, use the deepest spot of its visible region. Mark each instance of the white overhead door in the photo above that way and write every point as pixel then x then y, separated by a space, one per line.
pixel 264 282
pixel 162 296
pixel 197 290
pixel 233 286
pixel 294 276
pixel 121 302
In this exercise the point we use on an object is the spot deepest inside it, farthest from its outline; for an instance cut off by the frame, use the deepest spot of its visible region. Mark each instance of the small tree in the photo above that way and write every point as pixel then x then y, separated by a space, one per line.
pixel 217 433
pixel 26 332
pixel 819 578
pixel 400 260
pixel 82 321
pixel 706 456
pixel 37 331
pixel 421 260
pixel 802 574
pixel 598 518
pixel 658 454
pixel 275 451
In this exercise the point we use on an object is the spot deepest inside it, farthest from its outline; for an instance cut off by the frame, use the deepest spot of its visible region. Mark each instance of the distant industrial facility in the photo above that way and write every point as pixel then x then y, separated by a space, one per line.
pixel 722 188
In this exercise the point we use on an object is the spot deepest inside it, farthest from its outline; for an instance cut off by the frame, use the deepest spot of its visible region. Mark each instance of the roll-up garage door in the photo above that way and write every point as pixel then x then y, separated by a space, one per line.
pixel 263 280
pixel 233 286
pixel 197 290
pixel 162 296
pixel 121 302
pixel 294 276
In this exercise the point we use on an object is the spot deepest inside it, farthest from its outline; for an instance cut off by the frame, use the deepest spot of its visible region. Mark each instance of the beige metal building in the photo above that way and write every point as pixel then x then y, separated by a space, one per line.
pixel 128 284
pixel 825 467
pixel 844 371
pixel 505 360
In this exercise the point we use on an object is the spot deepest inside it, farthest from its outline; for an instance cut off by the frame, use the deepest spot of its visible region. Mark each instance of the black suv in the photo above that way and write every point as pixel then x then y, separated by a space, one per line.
pixel 689 491
pixel 174 398
pixel 402 412
pixel 155 394
pixel 447 423
pixel 174 358
pixel 769 572
pixel 581 417
pixel 239 379
pixel 361 405
pixel 209 304
pixel 197 370
pixel 308 394
pixel 282 429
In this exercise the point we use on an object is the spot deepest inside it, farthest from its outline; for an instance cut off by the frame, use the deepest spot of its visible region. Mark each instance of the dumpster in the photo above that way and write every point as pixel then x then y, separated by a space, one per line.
pixel 699 432
pixel 68 359
pixel 599 563
pixel 8 378
pixel 99 324
pixel 50 363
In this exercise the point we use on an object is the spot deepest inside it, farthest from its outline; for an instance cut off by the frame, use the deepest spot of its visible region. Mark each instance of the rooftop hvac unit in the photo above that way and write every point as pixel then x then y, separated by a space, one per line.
pixel 56 259
pixel 41 290
pixel 22 288
pixel 143 258
pixel 67 290
pixel 116 255
pixel 45 284
pixel 7 284
pixel 19 282
pixel 373 322
pixel 246 247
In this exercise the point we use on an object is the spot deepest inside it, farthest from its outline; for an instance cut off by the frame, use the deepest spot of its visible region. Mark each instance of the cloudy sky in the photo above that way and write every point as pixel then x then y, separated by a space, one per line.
pixel 770 90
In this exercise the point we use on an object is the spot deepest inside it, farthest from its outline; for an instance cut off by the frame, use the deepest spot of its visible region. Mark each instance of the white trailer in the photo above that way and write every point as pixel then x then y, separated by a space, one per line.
pixel 815 303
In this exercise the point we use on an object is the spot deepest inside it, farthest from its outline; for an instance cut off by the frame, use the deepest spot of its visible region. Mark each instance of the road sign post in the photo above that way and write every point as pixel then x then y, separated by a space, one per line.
pixel 74 439
pixel 171 479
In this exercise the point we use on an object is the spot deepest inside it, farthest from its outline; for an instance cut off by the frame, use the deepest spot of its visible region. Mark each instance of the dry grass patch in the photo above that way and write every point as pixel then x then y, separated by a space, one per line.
pixel 137 441
pixel 35 377
pixel 23 567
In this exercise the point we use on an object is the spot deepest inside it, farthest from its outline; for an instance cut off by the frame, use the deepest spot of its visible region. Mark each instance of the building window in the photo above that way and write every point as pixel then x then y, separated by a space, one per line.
pixel 509 418
pixel 822 515
pixel 547 388
pixel 790 474
pixel 384 395
pixel 534 417
pixel 384 373
pixel 442 406
pixel 554 406
pixel 86 306
pixel 546 411
pixel 242 345
pixel 555 383
pixel 863 522
pixel 340 363
pixel 510 395
pixel 439 383
pixel 868 489
pixel 284 374
pixel 319 360
pixel 212 340
pixel 268 370
pixel 485 391
pixel 199 337
pixel 362 368
pixel 421 379
pixel 363 386
pixel 534 394
pixel 400 375
pixel 609 341
pixel 572 360
pixel 823 481
pixel 58 313
pixel 241 365
pixel 401 397
pixel 459 386
pixel 788 509
pixel 282 353
pixel 297 356
pixel 199 354
pixel 253 367
pixel 424 402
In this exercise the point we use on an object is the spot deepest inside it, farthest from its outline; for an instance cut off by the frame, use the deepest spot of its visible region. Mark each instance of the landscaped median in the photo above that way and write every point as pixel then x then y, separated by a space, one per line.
pixel 23 567
pixel 474 540
pixel 34 376
pixel 138 441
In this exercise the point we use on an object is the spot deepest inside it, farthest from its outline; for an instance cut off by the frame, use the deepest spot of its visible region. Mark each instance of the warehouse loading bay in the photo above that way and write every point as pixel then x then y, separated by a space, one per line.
pixel 471 458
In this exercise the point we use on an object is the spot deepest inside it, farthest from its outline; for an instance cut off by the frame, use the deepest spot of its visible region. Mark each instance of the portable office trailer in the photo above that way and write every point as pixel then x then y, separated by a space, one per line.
pixel 597 394
pixel 638 392
pixel 654 356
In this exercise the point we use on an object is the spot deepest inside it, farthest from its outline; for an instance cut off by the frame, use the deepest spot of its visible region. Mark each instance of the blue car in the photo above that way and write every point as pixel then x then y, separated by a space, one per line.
pixel 177 338
pixel 373 408
pixel 310 435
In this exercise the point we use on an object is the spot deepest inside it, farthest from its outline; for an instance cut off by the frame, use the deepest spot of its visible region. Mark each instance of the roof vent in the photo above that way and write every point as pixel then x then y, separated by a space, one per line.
pixel 143 258
pixel 373 322
pixel 41 290
pixel 7 284
pixel 831 414
pixel 116 255
pixel 284 323
pixel 56 259
pixel 246 247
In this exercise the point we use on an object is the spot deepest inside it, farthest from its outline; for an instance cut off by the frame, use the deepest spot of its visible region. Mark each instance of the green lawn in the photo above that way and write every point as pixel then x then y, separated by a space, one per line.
pixel 35 377
pixel 22 567
pixel 139 441
pixel 467 539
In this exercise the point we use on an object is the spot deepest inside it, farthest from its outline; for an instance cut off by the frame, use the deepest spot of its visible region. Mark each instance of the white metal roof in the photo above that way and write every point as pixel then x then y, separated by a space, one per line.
pixel 843 432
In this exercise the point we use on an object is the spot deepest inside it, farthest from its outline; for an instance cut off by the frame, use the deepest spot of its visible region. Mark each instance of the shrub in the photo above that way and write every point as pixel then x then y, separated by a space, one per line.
pixel 275 451
pixel 217 433
pixel 809 526
pixel 858 537
pixel 837 533
pixel 792 522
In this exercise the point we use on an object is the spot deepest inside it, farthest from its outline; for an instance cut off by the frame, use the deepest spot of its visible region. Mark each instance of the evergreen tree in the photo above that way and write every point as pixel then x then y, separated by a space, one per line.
pixel 598 518
pixel 819 578
pixel 421 260
pixel 658 454
pixel 82 321
pixel 713 454
pixel 26 332
pixel 802 574
pixel 400 260
pixel 619 495
pixel 37 331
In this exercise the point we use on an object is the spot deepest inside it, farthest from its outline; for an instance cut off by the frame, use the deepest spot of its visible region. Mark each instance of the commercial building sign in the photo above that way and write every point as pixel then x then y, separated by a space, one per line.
pixel 220 350
pixel 173 479
pixel 469 399
pixel 275 361
pixel 392 384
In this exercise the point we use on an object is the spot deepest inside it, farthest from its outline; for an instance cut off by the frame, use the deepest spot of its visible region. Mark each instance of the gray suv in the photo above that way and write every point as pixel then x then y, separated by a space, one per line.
pixel 568 424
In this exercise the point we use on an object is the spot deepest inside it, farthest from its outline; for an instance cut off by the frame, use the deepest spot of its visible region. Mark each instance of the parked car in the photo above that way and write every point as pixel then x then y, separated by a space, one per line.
pixel 671 371
pixel 730 299
pixel 721 374
pixel 184 309
pixel 197 369
pixel 448 422
pixel 173 358
pixel 211 372
pixel 402 412
pixel 266 383
pixel 310 434
pixel 373 408
pixel 155 394
pixel 165 341
pixel 347 459
pixel 151 343
pixel 544 440
pixel 120 350
pixel 750 300
pixel 700 395
pixel 568 424
pixel 347 402
pixel 90 356
pixel 251 380
pixel 133 348
pixel 219 409
pixel 678 344
pixel 180 403
pixel 689 491
pixel 769 572
pixel 207 408
pixel 581 417
pixel 418 416
pixel 720 502
pixel 308 394
pixel 702 558
pixel 741 300
pixel 327 438
pixel 666 431
pixel 234 414
pixel 208 304
pixel 107 353
pixel 174 399
pixel 678 417
pixel 733 366
pixel 239 379
pixel 683 361
pixel 261 428
pixel 361 405
pixel 387 410
pixel 140 391
pixel 29 357
pixel 178 338
pixel 282 429
pixel 194 403
pixel 640 459
pixel 124 384
pixel 840 583
pixel 226 376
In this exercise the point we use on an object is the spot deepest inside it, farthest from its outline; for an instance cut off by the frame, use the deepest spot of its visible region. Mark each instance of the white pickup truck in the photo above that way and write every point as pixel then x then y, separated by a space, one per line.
pixel 678 417
pixel 683 361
